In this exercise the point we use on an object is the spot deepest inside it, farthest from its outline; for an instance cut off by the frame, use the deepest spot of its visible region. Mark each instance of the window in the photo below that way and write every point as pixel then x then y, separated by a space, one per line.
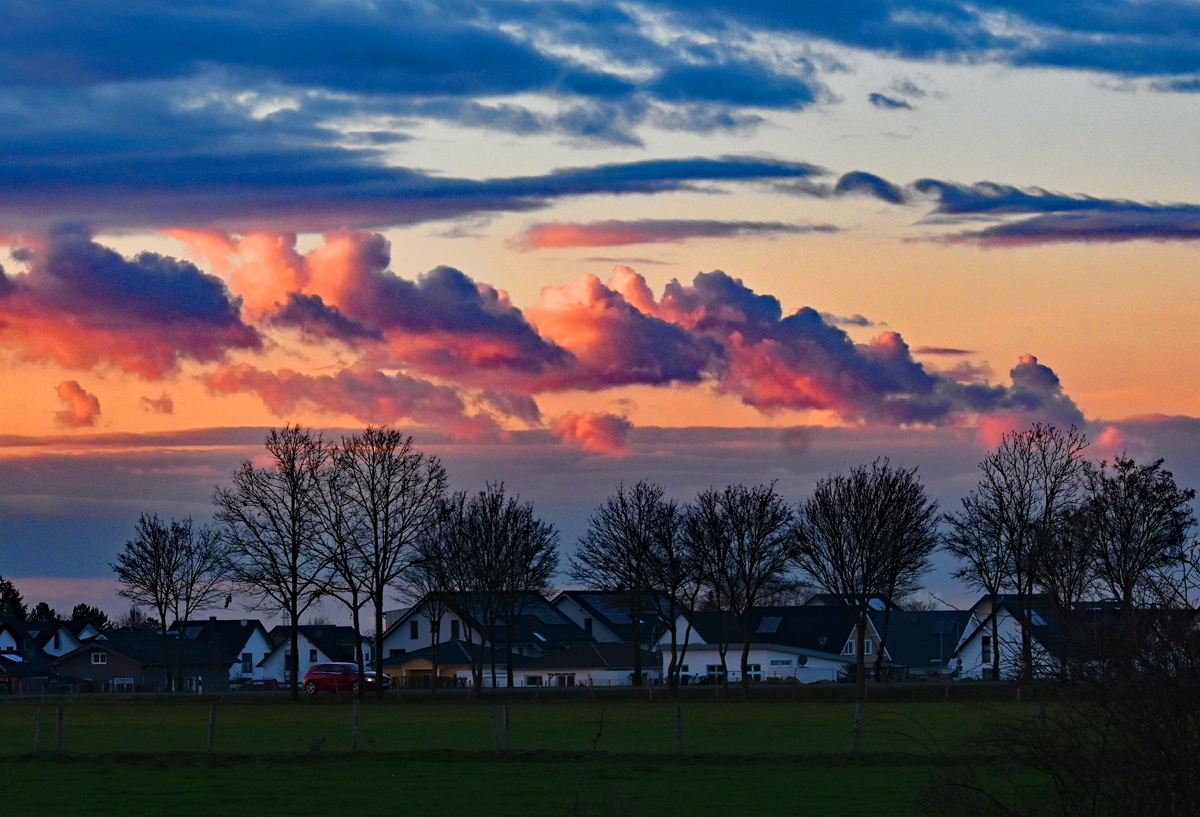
pixel 533 680
pixel 247 663
pixel 99 658
pixel 587 626
pixel 435 629
pixel 395 653
pixel 754 671
pixel 123 685
pixel 189 684
pixel 453 628
pixel 986 643
pixel 868 647
pixel 781 662
pixel 849 648
pixel 683 668
pixel 58 640
pixel 714 671
pixel 414 629
pixel 312 656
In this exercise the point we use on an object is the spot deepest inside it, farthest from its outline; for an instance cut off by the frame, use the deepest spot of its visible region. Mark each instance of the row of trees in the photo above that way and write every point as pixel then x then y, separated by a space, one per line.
pixel 12 603
pixel 370 516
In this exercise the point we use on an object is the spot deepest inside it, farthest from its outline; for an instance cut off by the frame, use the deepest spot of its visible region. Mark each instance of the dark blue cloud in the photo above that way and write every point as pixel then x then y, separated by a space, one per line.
pixel 319 321
pixel 888 103
pixel 857 181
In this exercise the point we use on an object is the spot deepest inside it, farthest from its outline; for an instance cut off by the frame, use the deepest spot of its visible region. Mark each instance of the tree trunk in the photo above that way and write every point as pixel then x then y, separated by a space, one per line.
pixel 746 663
pixel 673 670
pixel 294 669
pixel 887 620
pixel 995 641
pixel 509 662
pixel 378 652
pixel 635 610
pixel 358 654
pixel 860 660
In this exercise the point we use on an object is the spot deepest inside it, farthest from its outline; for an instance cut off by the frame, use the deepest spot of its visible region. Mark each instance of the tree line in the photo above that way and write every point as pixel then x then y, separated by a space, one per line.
pixel 370 515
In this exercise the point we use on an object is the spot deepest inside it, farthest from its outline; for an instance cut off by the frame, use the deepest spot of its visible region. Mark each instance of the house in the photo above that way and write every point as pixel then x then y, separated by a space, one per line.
pixel 454 661
pixel 974 654
pixel 604 615
pixel 539 628
pixel 599 664
pixel 809 643
pixel 27 647
pixel 875 602
pixel 923 642
pixel 19 673
pixel 319 644
pixel 129 660
pixel 242 644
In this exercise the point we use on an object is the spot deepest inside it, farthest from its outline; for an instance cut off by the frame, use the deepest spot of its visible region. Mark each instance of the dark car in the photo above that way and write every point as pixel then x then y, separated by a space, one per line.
pixel 338 678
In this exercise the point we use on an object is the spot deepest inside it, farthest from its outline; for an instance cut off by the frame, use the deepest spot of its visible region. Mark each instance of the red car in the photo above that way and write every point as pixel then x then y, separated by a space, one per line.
pixel 338 678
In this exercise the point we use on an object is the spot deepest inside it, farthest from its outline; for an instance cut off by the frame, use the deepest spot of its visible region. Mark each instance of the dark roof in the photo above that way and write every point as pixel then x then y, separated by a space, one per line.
pixel 611 608
pixel 15 665
pixel 820 629
pixel 875 602
pixel 454 653
pixel 336 641
pixel 926 638
pixel 594 656
pixel 540 625
pixel 146 648
pixel 227 636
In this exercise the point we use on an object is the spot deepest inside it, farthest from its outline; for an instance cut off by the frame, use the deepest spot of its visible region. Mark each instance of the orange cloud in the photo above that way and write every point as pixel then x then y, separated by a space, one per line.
pixel 82 407
pixel 592 431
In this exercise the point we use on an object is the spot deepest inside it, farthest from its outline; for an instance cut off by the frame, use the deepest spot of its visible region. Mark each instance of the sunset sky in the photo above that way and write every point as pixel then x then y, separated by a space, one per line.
pixel 574 243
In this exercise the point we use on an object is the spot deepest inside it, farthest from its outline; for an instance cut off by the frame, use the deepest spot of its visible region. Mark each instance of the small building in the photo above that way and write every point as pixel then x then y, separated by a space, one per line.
pixel 604 615
pixel 242 644
pixel 923 642
pixel 134 661
pixel 414 670
pixel 600 664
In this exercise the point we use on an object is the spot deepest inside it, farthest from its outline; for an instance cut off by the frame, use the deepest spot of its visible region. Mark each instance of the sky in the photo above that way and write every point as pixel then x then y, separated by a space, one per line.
pixel 568 243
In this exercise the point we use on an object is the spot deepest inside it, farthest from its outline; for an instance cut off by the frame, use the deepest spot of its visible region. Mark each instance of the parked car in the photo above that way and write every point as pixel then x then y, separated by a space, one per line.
pixel 339 678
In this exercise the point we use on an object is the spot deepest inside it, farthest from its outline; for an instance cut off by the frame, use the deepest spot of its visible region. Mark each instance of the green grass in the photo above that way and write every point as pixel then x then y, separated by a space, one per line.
pixel 777 757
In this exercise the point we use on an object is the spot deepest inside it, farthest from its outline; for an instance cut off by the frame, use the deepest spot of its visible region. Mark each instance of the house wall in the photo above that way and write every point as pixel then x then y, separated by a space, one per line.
pixel 259 646
pixel 116 666
pixel 67 643
pixel 8 642
pixel 275 664
pixel 699 657
pixel 976 665
pixel 399 636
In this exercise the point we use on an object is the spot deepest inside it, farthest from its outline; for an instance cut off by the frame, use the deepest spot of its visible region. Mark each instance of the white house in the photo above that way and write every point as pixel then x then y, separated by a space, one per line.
pixel 974 654
pixel 319 644
pixel 605 615
pixel 243 643
pixel 807 644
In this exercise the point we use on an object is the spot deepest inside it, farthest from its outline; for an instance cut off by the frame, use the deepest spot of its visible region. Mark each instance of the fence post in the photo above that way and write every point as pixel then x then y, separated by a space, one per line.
pixel 212 724
pixel 507 732
pixel 355 738
pixel 496 729
pixel 678 730
pixel 858 723
pixel 58 726
pixel 37 731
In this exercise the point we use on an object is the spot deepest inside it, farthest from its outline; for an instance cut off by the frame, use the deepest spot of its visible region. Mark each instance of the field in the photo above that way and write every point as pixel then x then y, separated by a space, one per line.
pixel 763 756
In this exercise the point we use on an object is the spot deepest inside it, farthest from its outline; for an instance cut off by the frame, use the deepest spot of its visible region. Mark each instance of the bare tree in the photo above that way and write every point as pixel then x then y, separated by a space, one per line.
pixel 270 525
pixel 709 538
pixel 201 574
pixel 1065 566
pixel 1027 488
pixel 978 540
pixel 759 532
pixel 526 556
pixel 676 571
pixel 347 578
pixel 396 490
pixel 428 581
pixel 866 534
pixel 617 551
pixel 1140 520
pixel 146 570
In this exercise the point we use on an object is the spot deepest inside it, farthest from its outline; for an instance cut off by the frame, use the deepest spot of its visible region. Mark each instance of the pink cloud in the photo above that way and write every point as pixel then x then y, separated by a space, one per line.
pixel 82 407
pixel 617 233
pixel 162 404
pixel 366 394
pixel 592 431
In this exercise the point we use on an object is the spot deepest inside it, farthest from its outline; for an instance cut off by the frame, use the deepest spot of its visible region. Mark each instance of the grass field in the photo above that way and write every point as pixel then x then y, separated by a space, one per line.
pixel 758 757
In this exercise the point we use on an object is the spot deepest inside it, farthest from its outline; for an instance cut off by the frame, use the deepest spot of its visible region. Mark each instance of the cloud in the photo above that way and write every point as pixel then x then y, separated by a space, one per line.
pixel 82 305
pixel 846 320
pixel 888 103
pixel 367 395
pixel 650 231
pixel 941 350
pixel 162 404
pixel 601 433
pixel 82 407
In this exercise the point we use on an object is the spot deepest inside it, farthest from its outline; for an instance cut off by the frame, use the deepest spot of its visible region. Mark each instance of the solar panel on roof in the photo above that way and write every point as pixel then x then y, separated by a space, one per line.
pixel 611 609
pixel 769 624
pixel 944 626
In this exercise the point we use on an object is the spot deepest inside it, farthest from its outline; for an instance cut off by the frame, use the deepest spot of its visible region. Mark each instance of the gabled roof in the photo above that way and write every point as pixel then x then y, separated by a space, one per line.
pixel 611 609
pixel 609 656
pixel 817 629
pixel 146 648
pixel 925 638
pixel 336 641
pixel 875 601
pixel 227 637
pixel 540 625
pixel 453 653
